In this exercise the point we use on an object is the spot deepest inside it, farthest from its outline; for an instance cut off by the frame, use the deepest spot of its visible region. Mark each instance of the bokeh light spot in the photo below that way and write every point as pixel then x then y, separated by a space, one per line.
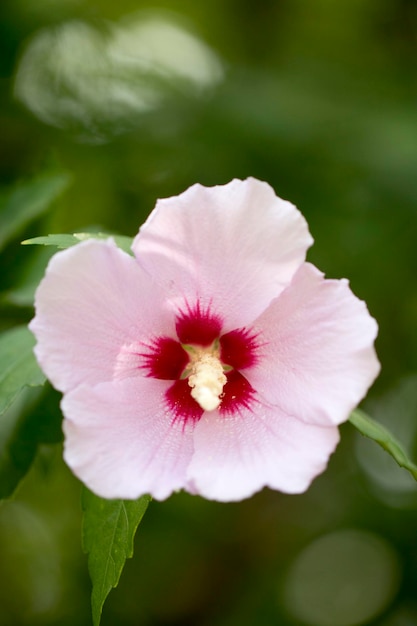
pixel 100 80
pixel 342 579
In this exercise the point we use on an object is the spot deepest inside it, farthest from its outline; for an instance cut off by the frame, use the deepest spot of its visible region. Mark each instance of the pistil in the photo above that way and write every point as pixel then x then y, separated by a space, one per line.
pixel 206 379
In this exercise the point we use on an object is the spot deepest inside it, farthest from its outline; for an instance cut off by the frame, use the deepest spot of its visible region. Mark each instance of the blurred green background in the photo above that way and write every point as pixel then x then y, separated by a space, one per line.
pixel 138 100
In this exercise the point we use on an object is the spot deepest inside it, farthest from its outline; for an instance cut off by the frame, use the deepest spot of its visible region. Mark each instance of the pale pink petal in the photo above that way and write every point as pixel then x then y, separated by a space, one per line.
pixel 317 358
pixel 93 307
pixel 233 248
pixel 236 456
pixel 122 442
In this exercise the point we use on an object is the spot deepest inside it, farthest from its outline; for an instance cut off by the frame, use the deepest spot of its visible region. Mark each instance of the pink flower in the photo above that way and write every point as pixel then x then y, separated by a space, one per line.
pixel 215 360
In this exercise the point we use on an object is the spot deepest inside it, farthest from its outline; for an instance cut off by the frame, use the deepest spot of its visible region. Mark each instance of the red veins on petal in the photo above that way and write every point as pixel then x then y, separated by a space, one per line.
pixel 238 348
pixel 198 326
pixel 238 393
pixel 166 359
pixel 181 403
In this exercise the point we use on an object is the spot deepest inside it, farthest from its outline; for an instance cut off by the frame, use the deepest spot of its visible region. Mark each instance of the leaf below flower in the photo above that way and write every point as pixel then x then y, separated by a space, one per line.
pixel 109 528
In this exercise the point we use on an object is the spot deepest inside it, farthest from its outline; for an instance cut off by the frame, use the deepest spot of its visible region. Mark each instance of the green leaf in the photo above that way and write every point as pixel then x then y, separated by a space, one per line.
pixel 59 241
pixel 66 241
pixel 18 366
pixel 109 528
pixel 22 293
pixel 33 419
pixel 27 201
pixel 376 431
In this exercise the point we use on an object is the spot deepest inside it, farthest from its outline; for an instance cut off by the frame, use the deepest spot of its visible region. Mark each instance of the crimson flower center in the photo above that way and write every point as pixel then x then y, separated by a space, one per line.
pixel 206 367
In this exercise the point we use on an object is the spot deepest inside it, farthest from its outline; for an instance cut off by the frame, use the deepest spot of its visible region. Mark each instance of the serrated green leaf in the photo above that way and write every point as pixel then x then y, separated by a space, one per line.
pixel 28 200
pixel 18 366
pixel 109 528
pixel 381 435
pixel 66 240
pixel 33 419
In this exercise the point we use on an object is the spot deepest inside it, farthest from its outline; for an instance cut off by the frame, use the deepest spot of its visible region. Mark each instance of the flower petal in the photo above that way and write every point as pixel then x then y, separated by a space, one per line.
pixel 93 307
pixel 122 441
pixel 231 248
pixel 317 359
pixel 236 456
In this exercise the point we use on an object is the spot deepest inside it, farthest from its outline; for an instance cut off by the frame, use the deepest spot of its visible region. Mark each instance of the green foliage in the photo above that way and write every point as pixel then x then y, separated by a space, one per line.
pixel 33 419
pixel 382 436
pixel 27 201
pixel 109 528
pixel 66 241
pixel 18 366
pixel 22 292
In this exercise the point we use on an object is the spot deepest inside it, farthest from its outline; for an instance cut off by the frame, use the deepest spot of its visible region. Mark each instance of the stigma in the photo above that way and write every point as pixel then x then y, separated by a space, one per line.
pixel 206 379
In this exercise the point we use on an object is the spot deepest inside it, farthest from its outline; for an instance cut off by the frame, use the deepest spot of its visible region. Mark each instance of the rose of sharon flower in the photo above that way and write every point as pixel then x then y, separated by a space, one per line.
pixel 214 360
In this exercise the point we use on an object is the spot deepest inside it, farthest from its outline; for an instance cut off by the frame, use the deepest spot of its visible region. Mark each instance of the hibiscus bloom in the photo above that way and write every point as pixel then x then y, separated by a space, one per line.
pixel 214 360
